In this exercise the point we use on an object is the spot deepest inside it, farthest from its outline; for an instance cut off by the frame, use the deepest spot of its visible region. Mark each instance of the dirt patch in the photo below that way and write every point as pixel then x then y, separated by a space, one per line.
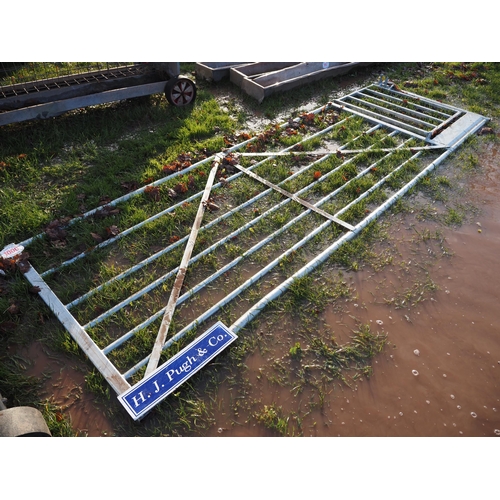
pixel 64 386
pixel 439 372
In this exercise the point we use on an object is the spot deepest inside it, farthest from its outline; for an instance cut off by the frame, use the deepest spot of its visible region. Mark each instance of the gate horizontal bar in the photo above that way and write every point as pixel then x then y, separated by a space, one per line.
pixel 216 245
pixel 390 112
pixel 417 105
pixel 404 109
pixel 370 115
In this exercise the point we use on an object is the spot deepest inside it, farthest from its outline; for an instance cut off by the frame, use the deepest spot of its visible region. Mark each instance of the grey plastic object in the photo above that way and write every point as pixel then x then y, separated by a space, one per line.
pixel 22 421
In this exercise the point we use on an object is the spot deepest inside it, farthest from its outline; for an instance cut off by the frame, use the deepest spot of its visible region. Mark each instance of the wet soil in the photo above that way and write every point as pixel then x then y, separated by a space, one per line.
pixel 439 374
pixel 64 386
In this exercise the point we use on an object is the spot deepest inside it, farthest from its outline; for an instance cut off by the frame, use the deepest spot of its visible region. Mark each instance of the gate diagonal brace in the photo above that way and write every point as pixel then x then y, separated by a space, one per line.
pixel 181 273
pixel 295 198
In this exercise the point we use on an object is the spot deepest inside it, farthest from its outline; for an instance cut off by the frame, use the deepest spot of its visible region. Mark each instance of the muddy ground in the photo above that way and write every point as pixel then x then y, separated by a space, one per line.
pixel 439 372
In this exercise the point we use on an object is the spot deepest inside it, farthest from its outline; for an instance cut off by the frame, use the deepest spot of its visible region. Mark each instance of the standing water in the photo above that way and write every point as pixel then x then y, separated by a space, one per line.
pixel 438 374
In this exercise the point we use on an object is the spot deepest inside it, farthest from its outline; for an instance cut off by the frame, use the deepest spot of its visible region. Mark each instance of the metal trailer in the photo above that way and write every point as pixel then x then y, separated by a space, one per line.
pixel 30 91
pixel 407 133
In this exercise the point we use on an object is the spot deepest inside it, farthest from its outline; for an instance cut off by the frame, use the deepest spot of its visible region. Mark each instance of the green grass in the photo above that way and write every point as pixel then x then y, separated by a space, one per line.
pixel 59 425
pixel 453 217
pixel 273 418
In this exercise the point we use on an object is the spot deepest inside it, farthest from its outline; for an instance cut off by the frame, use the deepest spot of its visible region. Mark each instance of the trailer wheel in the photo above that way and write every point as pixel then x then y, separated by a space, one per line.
pixel 180 91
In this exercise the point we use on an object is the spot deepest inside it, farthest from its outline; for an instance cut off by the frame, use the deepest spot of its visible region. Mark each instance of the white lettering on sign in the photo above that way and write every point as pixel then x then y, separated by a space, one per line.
pixel 213 341
pixel 185 367
pixel 138 399
pixel 11 251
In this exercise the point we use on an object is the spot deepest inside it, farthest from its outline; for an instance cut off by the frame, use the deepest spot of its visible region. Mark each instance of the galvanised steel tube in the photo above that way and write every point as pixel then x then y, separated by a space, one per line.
pixel 171 247
pixel 372 92
pixel 127 196
pixel 368 192
pixel 208 250
pixel 362 224
pixel 393 112
pixel 246 254
pixel 160 253
pixel 378 118
pixel 242 287
pixel 289 224
pixel 407 110
pixel 161 181
pixel 234 293
pixel 119 236
pixel 257 308
pixel 206 281
pixel 197 257
pixel 173 207
pixel 432 104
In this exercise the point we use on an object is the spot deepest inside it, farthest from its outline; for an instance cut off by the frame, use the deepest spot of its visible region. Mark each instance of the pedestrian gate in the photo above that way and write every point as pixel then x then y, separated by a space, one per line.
pixel 324 187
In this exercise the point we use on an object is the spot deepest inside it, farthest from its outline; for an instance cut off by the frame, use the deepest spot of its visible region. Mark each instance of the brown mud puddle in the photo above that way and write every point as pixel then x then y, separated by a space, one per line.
pixel 64 386
pixel 439 374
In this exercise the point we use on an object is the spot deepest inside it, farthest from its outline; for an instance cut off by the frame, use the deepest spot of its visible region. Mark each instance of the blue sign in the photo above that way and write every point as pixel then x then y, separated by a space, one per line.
pixel 147 393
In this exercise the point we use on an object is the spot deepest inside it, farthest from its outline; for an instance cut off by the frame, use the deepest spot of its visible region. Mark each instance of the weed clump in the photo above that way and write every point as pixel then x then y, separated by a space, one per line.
pixel 296 351
pixel 272 417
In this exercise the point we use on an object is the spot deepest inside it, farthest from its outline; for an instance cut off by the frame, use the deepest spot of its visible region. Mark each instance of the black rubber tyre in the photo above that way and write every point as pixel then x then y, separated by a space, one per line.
pixel 180 91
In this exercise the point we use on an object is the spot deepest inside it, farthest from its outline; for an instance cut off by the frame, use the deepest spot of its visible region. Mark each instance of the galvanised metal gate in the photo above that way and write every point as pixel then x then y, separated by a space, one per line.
pixel 321 191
